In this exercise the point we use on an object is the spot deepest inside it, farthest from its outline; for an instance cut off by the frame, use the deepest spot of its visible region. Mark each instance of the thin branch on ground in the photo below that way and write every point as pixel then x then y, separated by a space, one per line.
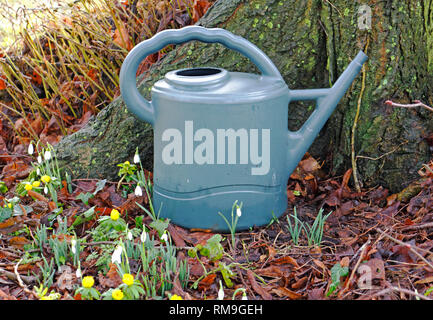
pixel 407 245
pixel 417 103
pixel 418 227
pixel 396 289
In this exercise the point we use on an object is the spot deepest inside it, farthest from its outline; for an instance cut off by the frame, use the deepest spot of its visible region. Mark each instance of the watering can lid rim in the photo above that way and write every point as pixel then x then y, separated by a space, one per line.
pixel 219 84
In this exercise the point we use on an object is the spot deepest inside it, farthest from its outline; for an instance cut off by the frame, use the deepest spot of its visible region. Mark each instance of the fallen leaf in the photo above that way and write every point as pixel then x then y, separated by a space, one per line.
pixel 18 242
pixel 199 9
pixel 300 283
pixel 66 279
pixel 286 260
pixel 206 282
pixel 316 294
pixel 377 268
pixel 179 242
pixel 38 196
pixel 121 37
pixel 425 280
pixel 11 225
pixel 284 292
pixel 345 262
pixel 112 280
pixel 321 265
pixel 272 272
pixel 2 82
pixel 5 296
pixel 257 288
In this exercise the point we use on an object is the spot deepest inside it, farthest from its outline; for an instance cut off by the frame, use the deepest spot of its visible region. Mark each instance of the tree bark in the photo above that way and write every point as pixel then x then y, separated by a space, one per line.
pixel 311 42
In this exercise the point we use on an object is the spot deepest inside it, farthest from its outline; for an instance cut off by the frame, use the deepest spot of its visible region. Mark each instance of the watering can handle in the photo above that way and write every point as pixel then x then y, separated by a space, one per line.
pixel 128 87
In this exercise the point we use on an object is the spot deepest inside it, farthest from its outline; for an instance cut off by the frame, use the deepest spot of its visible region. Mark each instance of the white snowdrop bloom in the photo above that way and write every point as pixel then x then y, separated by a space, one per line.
pixel 78 273
pixel 143 236
pixel 138 192
pixel 117 255
pixel 136 158
pixel 30 149
pixel 238 211
pixel 73 246
pixel 39 159
pixel 129 235
pixel 221 293
pixel 244 297
pixel 38 172
pixel 164 237
pixel 45 190
pixel 47 155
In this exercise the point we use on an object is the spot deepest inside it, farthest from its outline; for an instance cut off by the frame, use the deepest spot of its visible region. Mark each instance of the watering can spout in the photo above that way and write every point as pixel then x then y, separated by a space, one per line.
pixel 326 102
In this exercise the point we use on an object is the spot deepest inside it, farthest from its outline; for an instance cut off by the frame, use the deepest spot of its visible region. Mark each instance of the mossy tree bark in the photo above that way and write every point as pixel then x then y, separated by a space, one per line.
pixel 311 42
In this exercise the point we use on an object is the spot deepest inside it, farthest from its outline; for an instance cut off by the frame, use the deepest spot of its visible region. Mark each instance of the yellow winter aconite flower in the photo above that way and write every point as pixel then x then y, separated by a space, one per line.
pixel 46 179
pixel 128 279
pixel 28 187
pixel 175 297
pixel 114 215
pixel 117 294
pixel 88 282
pixel 36 184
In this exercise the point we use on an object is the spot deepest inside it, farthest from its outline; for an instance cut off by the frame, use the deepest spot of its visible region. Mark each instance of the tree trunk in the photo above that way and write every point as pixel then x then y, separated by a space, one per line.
pixel 311 42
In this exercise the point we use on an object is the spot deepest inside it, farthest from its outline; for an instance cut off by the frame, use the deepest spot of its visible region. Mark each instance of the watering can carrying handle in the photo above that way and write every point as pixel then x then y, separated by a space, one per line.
pixel 128 86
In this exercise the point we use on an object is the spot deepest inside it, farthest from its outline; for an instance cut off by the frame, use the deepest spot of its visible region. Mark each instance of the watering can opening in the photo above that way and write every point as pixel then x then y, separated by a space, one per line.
pixel 192 78
pixel 198 72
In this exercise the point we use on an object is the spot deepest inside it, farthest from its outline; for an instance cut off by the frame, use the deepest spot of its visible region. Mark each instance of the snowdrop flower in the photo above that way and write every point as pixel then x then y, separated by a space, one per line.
pixel 39 159
pixel 129 235
pixel 221 292
pixel 117 255
pixel 30 149
pixel 78 273
pixel 238 211
pixel 138 192
pixel 143 236
pixel 47 155
pixel 45 190
pixel 136 158
pixel 244 296
pixel 164 237
pixel 38 172
pixel 73 246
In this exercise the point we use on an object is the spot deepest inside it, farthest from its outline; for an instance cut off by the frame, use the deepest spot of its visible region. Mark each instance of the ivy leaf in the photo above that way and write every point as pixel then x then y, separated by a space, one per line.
pixel 84 217
pixel 227 274
pixel 213 248
pixel 3 187
pixel 18 210
pixel 99 186
pixel 5 213
pixel 160 225
pixel 337 271
pixel 85 197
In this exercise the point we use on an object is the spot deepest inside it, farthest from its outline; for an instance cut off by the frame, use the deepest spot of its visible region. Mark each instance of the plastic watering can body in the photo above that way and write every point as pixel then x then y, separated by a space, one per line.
pixel 223 136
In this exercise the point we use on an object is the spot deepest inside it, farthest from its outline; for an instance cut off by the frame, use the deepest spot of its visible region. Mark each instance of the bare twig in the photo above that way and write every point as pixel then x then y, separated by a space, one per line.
pixel 406 291
pixel 417 103
pixel 418 227
pixel 12 276
pixel 407 245
pixel 383 155
pixel 362 251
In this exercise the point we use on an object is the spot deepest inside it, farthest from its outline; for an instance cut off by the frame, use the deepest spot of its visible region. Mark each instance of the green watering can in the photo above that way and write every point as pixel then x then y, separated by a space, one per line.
pixel 223 136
